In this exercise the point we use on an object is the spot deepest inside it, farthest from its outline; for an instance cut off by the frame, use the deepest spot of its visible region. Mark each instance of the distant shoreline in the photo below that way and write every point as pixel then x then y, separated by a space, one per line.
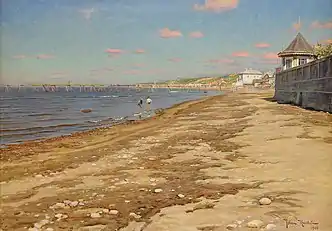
pixel 142 86
pixel 183 86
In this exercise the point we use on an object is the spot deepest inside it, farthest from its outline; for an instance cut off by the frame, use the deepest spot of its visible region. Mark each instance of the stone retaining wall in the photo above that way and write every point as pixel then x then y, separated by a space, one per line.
pixel 308 86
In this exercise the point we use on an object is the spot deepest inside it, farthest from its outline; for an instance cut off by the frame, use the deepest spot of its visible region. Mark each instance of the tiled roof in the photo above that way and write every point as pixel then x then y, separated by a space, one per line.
pixel 251 71
pixel 298 46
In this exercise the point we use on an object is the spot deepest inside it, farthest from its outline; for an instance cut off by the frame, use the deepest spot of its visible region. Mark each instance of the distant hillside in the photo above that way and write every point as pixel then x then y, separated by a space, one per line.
pixel 220 80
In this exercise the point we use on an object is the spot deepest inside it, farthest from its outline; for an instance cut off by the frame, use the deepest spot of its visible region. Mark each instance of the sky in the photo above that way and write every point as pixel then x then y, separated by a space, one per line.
pixel 132 41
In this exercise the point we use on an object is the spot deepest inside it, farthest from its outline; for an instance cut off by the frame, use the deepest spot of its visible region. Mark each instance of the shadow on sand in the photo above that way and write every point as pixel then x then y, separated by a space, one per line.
pixel 270 99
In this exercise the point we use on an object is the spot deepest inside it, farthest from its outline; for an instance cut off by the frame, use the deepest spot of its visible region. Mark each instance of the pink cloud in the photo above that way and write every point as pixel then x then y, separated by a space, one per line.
pixel 138 65
pixel 228 61
pixel 262 45
pixel 270 55
pixel 240 54
pixel 196 34
pixel 167 33
pixel 217 5
pixel 175 60
pixel 140 51
pixel 321 25
pixel 20 57
pixel 113 52
pixel 45 56
pixel 327 41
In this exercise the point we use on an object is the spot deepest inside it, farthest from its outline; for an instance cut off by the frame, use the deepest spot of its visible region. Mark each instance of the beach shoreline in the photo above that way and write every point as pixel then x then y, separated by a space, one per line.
pixel 28 144
pixel 125 119
pixel 202 164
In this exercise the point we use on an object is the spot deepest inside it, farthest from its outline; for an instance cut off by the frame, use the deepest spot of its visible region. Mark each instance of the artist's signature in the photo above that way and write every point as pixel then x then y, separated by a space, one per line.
pixel 293 221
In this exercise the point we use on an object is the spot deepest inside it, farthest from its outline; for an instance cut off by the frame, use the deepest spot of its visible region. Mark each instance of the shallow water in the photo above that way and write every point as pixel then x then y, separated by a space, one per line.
pixel 30 115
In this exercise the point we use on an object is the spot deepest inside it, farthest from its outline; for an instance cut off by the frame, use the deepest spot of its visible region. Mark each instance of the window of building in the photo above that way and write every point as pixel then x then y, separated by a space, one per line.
pixel 288 63
pixel 302 61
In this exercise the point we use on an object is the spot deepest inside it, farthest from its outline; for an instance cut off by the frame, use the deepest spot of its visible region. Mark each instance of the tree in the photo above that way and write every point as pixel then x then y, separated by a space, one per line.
pixel 323 50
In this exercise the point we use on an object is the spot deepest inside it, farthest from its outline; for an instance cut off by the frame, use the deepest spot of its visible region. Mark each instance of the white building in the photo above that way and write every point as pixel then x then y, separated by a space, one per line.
pixel 299 52
pixel 248 76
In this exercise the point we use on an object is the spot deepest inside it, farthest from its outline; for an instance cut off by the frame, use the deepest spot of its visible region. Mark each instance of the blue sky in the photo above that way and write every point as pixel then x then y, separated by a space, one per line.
pixel 129 41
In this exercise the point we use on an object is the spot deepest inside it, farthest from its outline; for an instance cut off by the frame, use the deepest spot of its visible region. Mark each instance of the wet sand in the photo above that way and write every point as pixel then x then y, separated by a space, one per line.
pixel 201 165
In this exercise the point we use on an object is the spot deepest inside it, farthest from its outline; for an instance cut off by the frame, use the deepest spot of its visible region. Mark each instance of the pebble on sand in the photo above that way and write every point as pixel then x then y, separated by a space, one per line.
pixel 95 215
pixel 67 202
pixel 61 216
pixel 58 206
pixel 158 190
pixel 33 229
pixel 106 210
pixel 134 215
pixel 73 203
pixel 181 196
pixel 265 201
pixel 113 212
pixel 231 226
pixel 40 224
pixel 271 227
pixel 255 224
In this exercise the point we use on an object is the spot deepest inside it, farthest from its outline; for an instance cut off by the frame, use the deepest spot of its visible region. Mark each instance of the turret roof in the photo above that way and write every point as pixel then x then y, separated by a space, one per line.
pixel 299 46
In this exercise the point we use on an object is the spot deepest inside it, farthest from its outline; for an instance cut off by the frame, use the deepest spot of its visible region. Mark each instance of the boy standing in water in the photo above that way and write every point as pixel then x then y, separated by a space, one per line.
pixel 148 103
pixel 140 102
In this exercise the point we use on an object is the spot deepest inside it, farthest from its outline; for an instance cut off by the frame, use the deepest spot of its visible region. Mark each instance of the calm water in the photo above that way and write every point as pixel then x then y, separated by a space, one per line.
pixel 29 115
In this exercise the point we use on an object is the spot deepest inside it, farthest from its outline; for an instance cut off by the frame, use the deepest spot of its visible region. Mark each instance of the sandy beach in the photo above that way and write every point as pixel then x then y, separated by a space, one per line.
pixel 232 162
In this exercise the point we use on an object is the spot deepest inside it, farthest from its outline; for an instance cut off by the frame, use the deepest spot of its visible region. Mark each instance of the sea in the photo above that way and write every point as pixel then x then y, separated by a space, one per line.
pixel 27 114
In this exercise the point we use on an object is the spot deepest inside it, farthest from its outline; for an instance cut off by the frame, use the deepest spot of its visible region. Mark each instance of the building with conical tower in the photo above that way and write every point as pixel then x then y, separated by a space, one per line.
pixel 298 52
